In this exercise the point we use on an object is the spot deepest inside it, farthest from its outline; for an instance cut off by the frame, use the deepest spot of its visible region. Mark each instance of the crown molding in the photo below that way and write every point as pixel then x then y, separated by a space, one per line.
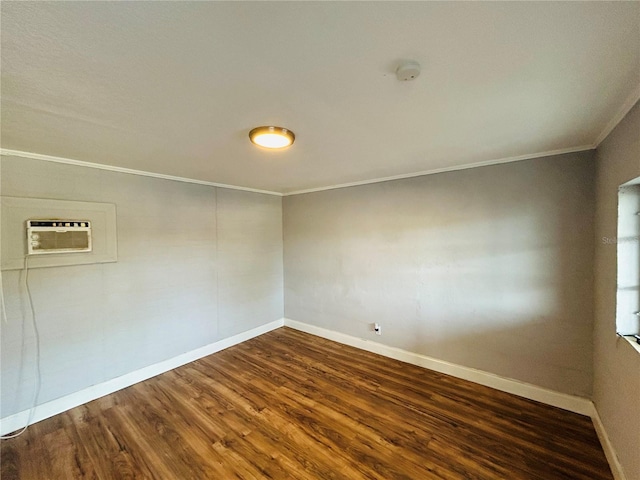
pixel 466 166
pixel 628 104
pixel 130 171
pixel 100 166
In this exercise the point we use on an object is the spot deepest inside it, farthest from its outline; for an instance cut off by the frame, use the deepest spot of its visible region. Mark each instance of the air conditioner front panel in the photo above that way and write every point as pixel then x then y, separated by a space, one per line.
pixel 58 236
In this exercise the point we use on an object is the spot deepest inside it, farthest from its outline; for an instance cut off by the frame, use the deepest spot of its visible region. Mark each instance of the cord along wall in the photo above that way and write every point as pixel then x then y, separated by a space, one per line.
pixel 195 264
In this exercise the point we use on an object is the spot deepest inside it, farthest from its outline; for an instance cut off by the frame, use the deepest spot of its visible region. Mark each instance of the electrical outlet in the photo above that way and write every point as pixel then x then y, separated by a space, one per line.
pixel 377 328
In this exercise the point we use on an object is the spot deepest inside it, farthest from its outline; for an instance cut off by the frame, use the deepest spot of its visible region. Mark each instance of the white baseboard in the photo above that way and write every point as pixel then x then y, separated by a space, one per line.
pixel 609 452
pixel 572 403
pixel 59 405
pixel 580 405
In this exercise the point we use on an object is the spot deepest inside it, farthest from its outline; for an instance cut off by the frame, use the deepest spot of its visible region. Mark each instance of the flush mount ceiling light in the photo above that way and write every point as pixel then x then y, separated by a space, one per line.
pixel 272 137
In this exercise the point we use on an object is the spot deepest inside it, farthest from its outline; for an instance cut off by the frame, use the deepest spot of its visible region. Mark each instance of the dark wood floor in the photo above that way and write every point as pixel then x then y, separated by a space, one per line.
pixel 291 405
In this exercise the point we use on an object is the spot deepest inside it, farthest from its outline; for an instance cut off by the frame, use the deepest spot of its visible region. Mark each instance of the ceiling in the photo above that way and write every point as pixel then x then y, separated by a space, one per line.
pixel 174 87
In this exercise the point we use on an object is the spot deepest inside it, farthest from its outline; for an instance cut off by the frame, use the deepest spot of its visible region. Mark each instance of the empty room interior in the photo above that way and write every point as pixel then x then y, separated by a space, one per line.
pixel 304 240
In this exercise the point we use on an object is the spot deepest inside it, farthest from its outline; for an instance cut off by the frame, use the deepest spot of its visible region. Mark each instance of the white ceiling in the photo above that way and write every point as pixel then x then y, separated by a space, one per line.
pixel 175 87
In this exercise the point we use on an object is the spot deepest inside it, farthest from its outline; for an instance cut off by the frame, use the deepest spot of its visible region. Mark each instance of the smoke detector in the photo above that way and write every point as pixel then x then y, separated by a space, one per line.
pixel 408 71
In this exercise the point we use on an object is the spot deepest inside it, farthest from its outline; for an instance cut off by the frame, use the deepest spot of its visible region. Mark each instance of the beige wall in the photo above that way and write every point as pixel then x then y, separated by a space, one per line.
pixel 616 363
pixel 196 264
pixel 490 268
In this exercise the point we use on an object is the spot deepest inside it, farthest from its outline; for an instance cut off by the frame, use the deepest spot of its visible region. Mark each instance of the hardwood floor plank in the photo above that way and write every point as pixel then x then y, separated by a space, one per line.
pixel 352 416
pixel 10 462
pixel 291 405
pixel 290 452
pixel 104 444
pixel 390 439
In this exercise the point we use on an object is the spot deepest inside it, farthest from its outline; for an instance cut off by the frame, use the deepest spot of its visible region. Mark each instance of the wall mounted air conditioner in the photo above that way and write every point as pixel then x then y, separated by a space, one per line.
pixel 58 236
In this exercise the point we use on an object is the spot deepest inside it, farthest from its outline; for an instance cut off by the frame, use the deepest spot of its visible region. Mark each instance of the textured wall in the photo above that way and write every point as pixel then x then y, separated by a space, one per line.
pixel 195 264
pixel 617 364
pixel 491 268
